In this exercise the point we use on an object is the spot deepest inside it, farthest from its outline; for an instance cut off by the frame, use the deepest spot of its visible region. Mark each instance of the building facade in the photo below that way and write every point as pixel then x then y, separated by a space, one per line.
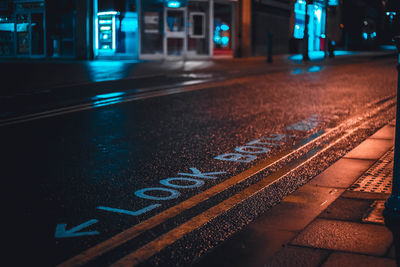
pixel 322 24
pixel 118 29
pixel 168 29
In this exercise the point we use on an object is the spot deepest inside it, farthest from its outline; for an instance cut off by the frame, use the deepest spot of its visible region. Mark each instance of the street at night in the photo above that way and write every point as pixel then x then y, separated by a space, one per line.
pixel 237 133
pixel 174 174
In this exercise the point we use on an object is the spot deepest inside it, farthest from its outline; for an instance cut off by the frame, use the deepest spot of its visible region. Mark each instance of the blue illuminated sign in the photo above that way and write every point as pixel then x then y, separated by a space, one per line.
pixel 224 27
pixel 175 3
pixel 221 35
pixel 367 36
pixel 106 31
pixel 333 2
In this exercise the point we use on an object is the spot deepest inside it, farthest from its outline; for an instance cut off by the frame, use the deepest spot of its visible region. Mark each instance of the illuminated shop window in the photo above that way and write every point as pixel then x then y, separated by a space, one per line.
pixel 221 35
pixel 299 24
pixel 116 28
pixel 105 31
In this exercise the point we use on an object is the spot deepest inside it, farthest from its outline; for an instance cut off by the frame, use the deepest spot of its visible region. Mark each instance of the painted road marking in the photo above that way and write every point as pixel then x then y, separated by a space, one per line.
pixel 151 248
pixel 62 232
pixel 253 147
pixel 172 193
pixel 305 125
pixel 129 212
pixel 171 212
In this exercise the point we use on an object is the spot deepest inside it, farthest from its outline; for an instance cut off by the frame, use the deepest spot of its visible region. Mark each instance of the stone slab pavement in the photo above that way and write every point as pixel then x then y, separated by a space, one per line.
pixel 327 222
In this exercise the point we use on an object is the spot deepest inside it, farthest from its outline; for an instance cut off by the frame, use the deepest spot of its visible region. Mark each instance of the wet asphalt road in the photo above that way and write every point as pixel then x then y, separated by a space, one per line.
pixel 60 170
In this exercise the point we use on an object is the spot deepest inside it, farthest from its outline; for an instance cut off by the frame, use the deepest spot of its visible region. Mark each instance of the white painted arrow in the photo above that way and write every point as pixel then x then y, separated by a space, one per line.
pixel 62 232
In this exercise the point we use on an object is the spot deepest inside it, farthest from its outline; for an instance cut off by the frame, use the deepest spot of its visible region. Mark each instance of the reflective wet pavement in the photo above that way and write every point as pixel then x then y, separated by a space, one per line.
pixel 88 168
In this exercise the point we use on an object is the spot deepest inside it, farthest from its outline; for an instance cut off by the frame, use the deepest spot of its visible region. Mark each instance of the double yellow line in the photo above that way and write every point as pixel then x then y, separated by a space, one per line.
pixel 153 247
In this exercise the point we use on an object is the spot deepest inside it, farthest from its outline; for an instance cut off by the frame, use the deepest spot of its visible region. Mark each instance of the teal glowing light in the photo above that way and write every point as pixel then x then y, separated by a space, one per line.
pixel 107 99
pixel 224 27
pixel 333 2
pixel 314 68
pixel 344 53
pixel 297 71
pixel 174 4
pixel 318 14
pixel 109 95
pixel 299 11
pixel 102 21
pixel 388 47
pixel 367 36
pixel 225 41
pixel 107 13
pixel 105 31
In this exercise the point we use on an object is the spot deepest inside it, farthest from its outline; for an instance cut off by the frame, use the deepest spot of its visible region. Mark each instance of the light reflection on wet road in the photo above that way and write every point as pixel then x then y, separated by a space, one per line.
pixel 59 169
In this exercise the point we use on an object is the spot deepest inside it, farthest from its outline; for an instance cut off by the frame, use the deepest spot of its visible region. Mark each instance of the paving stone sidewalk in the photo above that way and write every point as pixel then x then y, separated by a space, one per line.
pixel 334 220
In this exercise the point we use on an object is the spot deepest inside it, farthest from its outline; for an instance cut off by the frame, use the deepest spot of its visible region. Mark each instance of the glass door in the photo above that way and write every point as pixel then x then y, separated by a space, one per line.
pixel 175 32
pixel 198 34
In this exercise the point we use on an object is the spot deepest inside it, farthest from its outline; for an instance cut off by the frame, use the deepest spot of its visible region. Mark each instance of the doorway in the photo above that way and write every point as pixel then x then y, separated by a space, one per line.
pixel 175 46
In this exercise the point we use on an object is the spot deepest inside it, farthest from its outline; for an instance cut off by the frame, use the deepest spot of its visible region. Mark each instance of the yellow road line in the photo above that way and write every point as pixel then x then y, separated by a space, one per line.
pixel 155 246
pixel 150 223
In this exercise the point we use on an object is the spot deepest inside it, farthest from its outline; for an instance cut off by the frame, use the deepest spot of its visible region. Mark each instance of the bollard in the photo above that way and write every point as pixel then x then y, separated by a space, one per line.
pixel 331 48
pixel 269 47
pixel 391 212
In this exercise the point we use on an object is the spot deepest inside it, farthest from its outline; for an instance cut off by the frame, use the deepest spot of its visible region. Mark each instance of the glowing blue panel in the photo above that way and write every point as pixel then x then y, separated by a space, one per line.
pixel 7 27
pixel 96 32
pixel 107 13
pixel 113 34
pixel 174 4
pixel 109 95
pixel 388 47
pixel 105 31
pixel 225 41
pixel 365 35
pixel 105 28
pixel 300 11
pixel 333 2
pixel 318 13
pixel 224 27
pixel 105 21
pixel 130 24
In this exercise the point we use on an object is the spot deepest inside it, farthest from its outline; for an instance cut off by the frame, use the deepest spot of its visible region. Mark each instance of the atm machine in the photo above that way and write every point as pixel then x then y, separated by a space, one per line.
pixel 106 32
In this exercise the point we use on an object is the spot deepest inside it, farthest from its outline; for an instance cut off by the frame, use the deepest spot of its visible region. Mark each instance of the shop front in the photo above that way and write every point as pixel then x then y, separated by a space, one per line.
pixel 22 32
pixel 115 29
pixel 316 24
pixel 185 29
